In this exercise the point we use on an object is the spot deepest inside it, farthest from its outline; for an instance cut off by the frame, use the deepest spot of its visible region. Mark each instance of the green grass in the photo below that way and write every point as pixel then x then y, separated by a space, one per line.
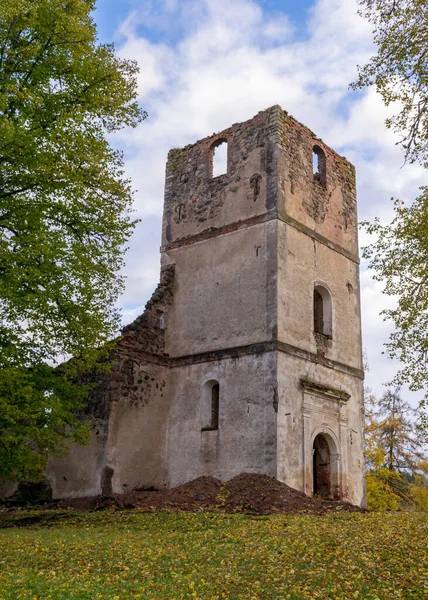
pixel 129 554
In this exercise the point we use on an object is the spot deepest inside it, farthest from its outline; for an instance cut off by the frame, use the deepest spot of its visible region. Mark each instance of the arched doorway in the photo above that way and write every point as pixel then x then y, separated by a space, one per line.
pixel 322 468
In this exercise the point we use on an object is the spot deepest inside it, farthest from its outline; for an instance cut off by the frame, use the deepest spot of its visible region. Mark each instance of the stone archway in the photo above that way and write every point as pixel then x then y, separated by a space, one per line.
pixel 325 467
pixel 321 467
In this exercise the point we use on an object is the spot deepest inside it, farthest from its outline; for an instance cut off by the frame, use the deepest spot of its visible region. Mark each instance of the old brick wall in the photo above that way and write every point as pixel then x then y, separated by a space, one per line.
pixel 196 204
pixel 325 205
pixel 128 409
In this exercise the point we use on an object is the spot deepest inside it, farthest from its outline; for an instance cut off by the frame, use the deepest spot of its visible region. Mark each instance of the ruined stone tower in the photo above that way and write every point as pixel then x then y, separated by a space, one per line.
pixel 266 307
pixel 248 357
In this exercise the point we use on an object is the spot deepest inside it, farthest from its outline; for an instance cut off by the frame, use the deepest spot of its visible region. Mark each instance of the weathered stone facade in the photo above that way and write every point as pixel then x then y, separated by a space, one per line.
pixel 229 369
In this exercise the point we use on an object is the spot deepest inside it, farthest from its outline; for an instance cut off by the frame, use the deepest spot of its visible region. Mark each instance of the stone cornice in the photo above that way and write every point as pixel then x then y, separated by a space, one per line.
pixel 213 232
pixel 319 238
pixel 251 349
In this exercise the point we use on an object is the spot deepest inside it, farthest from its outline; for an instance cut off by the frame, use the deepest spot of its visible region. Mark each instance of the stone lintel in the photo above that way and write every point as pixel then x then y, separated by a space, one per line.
pixel 324 390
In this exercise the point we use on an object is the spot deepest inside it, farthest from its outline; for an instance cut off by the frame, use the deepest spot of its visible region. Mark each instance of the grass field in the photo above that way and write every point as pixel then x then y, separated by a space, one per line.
pixel 129 554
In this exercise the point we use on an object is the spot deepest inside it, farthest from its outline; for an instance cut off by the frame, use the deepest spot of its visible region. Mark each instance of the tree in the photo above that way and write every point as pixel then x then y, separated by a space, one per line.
pixel 396 433
pixel 399 256
pixel 399 70
pixel 419 487
pixel 399 259
pixel 381 495
pixel 65 214
pixel 394 452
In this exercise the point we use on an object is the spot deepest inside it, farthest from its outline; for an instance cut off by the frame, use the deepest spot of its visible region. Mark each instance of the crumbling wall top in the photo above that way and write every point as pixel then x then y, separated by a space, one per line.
pixel 197 202
pixel 275 165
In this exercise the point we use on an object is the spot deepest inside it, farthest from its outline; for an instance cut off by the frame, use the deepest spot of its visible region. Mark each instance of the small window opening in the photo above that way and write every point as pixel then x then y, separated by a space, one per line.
pixel 314 163
pixel 160 318
pixel 322 311
pixel 215 396
pixel 219 158
pixel 318 313
pixel 319 165
pixel 255 185
pixel 211 405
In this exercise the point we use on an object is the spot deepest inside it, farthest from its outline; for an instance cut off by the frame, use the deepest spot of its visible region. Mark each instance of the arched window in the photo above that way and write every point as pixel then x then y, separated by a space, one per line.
pixel 210 405
pixel 318 313
pixel 319 165
pixel 323 321
pixel 219 158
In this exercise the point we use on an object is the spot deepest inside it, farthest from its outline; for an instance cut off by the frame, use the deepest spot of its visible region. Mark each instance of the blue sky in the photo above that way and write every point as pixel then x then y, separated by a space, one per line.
pixel 205 64
pixel 110 13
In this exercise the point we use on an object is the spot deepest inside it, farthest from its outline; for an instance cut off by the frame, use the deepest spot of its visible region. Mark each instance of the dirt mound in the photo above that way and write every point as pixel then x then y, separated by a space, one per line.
pixel 251 492
pixel 263 495
pixel 199 493
pixel 247 492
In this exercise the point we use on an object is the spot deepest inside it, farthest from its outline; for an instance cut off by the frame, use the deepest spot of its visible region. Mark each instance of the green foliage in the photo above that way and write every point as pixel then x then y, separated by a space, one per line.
pixel 64 216
pixel 399 256
pixel 130 555
pixel 399 70
pixel 399 259
pixel 42 408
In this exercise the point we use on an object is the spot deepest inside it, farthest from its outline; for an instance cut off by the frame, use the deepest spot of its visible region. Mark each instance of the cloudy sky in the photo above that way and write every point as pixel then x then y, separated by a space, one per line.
pixel 205 64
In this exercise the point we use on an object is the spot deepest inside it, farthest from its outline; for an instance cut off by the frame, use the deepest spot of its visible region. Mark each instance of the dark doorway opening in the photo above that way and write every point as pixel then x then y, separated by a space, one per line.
pixel 321 467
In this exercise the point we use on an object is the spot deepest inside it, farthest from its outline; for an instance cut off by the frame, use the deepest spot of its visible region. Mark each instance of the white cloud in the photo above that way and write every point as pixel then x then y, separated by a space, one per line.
pixel 231 60
pixel 153 76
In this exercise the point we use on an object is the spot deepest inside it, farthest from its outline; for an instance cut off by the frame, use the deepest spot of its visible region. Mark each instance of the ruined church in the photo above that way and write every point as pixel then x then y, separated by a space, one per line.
pixel 248 357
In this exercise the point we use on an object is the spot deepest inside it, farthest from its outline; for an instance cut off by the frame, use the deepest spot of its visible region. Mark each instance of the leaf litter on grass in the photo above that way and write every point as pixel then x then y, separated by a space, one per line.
pixel 127 554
